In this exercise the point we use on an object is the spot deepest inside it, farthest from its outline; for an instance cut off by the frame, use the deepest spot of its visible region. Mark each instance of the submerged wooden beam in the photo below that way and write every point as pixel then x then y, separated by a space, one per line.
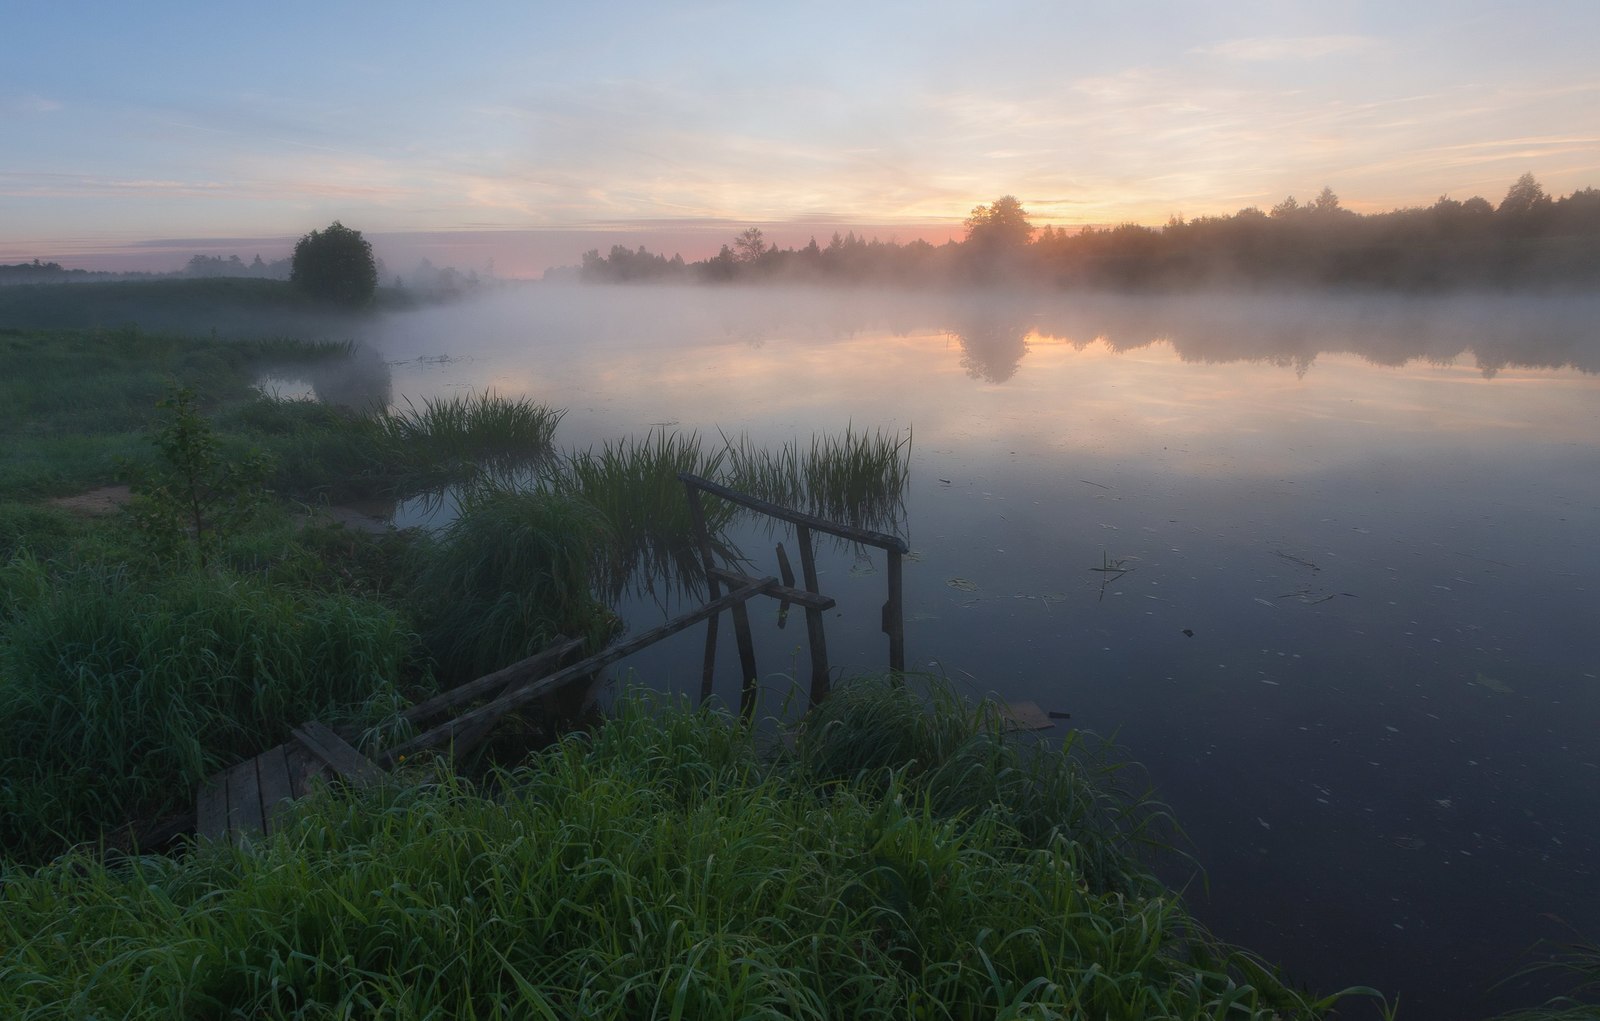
pixel 496 708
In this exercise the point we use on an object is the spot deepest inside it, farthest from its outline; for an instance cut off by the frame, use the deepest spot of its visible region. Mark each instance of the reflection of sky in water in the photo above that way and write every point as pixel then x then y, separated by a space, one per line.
pixel 1379 528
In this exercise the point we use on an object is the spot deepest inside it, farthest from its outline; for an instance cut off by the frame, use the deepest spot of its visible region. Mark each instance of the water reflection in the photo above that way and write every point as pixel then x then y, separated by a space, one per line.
pixel 993 341
pixel 361 382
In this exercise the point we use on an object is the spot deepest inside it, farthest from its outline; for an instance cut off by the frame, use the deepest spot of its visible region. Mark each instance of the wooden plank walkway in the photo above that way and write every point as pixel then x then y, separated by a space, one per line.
pixel 249 798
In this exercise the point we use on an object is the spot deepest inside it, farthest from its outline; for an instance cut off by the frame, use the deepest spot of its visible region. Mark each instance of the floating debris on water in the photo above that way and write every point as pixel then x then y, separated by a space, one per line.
pixel 963 584
pixel 1024 716
pixel 1496 686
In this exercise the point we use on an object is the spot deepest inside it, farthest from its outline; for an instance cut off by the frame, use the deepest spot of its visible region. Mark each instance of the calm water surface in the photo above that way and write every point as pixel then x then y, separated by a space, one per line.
pixel 1356 647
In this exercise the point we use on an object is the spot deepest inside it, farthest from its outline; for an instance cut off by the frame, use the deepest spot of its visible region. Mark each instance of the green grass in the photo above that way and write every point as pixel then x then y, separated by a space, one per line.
pixel 633 486
pixel 855 477
pixel 1579 962
pixel 659 867
pixel 452 440
pixel 514 570
pixel 74 404
pixel 119 694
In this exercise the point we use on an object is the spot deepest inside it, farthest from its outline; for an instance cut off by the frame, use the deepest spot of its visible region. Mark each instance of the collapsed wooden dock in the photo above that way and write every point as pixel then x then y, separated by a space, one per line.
pixel 250 797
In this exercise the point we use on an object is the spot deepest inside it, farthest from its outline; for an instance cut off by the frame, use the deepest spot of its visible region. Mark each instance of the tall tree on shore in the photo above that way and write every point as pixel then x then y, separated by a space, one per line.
pixel 335 265
pixel 1000 226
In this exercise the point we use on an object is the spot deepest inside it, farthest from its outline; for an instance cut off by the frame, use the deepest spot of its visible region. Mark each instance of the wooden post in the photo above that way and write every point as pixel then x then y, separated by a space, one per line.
pixel 894 624
pixel 817 637
pixel 786 572
pixel 697 514
pixel 747 660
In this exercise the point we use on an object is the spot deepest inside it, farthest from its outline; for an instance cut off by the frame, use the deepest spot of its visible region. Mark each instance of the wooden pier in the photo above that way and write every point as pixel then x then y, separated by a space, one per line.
pixel 249 798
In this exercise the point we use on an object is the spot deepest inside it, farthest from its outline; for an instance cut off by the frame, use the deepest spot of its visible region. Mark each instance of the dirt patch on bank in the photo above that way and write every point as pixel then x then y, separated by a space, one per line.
pixel 96 502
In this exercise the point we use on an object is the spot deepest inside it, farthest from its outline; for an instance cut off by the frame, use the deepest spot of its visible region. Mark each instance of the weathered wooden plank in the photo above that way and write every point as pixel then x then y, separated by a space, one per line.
pixel 348 763
pixel 498 707
pixel 861 535
pixel 304 769
pixel 810 600
pixel 532 668
pixel 244 801
pixel 272 776
pixel 211 808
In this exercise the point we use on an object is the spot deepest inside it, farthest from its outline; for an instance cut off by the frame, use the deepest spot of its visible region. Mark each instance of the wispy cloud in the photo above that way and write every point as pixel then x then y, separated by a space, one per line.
pixel 28 104
pixel 1287 48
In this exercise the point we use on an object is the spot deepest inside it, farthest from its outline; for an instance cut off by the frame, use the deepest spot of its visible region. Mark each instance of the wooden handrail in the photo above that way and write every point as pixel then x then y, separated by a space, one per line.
pixel 494 709
pixel 865 536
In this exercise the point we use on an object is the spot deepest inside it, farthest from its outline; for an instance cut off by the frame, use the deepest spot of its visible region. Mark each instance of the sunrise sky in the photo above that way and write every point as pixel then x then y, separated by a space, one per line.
pixel 133 135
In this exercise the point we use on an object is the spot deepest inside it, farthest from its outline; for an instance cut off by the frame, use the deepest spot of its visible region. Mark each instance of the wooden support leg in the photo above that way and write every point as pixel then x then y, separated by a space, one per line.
pixel 815 635
pixel 894 624
pixel 709 669
pixel 747 661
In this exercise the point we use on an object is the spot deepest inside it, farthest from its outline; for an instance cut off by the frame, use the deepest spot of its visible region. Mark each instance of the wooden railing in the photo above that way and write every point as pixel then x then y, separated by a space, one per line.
pixel 808 597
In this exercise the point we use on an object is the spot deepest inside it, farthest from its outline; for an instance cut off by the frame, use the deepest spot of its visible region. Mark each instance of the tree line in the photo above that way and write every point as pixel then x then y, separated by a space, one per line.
pixel 1529 239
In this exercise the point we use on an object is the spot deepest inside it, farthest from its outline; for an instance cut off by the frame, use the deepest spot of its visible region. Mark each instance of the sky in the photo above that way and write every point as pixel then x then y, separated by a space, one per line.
pixel 514 136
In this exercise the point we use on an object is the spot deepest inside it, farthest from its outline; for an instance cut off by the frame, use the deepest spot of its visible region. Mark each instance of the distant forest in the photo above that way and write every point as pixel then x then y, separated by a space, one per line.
pixel 1529 239
pixel 426 279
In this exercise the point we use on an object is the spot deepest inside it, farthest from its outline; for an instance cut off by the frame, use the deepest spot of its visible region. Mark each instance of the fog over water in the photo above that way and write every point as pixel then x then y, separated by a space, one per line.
pixel 1355 647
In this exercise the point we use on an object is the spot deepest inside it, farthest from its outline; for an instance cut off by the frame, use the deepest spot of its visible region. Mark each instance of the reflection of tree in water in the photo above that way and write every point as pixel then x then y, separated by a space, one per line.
pixel 362 381
pixel 992 344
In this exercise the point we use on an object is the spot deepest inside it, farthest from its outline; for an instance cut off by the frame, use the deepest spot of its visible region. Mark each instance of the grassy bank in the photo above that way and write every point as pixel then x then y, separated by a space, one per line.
pixel 659 867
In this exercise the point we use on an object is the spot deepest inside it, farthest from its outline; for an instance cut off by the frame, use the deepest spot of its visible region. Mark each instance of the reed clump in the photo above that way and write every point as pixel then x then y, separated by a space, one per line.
pixel 454 439
pixel 857 477
pixel 632 485
pixel 658 867
pixel 515 569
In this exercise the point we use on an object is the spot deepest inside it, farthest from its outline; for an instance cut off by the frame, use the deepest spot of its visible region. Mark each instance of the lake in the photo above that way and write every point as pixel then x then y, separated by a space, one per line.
pixel 1352 643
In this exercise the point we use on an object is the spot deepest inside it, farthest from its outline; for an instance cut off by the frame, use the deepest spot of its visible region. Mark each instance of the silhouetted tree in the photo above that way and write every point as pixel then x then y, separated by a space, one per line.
pixel 1002 225
pixel 1326 202
pixel 1526 195
pixel 750 245
pixel 335 265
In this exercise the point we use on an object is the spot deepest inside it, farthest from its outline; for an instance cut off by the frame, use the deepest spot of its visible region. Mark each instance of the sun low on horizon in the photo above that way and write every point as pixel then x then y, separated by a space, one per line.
pixel 518 136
